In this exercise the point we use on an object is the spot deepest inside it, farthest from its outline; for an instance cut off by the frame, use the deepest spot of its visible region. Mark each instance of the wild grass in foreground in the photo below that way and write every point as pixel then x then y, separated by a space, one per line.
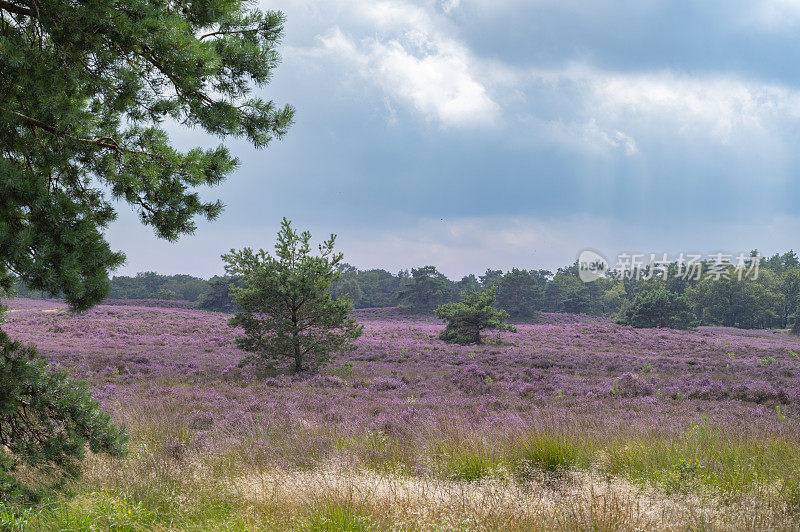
pixel 695 480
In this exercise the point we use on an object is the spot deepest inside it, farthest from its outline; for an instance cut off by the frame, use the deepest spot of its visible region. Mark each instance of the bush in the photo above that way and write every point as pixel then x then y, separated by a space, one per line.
pixel 658 308
pixel 286 308
pixel 471 316
pixel 46 419
pixel 167 294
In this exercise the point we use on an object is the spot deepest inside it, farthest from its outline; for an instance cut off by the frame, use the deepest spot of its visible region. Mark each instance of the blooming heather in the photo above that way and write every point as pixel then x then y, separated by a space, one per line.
pixel 401 374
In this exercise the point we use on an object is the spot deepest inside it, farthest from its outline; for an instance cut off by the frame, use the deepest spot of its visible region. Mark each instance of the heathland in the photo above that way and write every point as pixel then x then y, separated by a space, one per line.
pixel 570 423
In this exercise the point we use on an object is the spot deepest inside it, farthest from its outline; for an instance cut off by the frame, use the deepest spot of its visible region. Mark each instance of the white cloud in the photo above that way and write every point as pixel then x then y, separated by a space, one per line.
pixel 719 107
pixel 776 13
pixel 450 5
pixel 412 59
pixel 412 55
pixel 605 111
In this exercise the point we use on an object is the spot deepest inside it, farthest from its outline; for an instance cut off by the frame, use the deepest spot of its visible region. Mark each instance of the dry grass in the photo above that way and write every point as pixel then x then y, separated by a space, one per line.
pixel 164 488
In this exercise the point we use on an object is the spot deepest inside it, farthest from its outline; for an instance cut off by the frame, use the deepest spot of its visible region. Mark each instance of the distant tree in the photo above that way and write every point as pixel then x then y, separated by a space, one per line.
pixel 379 288
pixel 347 287
pixel 166 294
pixel 20 289
pixel 567 293
pixel 519 293
pixel 286 309
pixel 148 285
pixel 468 283
pixel 217 296
pixel 779 263
pixel 468 318
pixel 794 321
pixel 747 304
pixel 186 287
pixel 426 289
pixel 491 278
pixel 658 308
pixel 677 281
pixel 789 289
pixel 613 297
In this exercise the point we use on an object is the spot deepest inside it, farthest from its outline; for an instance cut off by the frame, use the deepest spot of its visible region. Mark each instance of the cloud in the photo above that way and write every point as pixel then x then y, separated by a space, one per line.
pixel 410 58
pixel 774 14
pixel 414 57
pixel 720 107
pixel 449 5
pixel 607 112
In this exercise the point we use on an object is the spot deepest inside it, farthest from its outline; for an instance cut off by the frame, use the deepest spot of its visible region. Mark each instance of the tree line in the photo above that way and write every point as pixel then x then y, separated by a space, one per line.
pixel 769 301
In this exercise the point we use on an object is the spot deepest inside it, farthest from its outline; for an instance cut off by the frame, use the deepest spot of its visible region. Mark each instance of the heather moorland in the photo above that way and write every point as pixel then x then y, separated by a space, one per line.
pixel 574 422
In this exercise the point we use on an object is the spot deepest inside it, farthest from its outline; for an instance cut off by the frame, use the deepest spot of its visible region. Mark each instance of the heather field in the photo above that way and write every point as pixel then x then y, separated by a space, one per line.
pixel 573 423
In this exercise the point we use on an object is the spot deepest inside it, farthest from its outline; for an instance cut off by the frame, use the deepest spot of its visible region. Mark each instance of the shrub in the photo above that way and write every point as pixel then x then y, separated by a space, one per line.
pixel 471 316
pixel 287 311
pixel 629 385
pixel 658 308
pixel 474 380
pixel 166 293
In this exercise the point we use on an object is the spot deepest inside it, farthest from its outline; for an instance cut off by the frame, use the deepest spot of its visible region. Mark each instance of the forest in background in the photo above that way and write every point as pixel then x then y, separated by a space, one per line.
pixel 769 301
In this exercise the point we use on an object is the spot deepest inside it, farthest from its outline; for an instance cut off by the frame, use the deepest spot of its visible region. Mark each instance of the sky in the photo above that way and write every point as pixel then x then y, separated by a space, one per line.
pixel 475 134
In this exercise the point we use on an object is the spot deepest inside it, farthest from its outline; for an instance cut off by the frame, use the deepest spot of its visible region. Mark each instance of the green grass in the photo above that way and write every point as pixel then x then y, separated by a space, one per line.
pixel 156 490
pixel 703 457
pixel 105 510
pixel 552 453
pixel 464 464
pixel 335 517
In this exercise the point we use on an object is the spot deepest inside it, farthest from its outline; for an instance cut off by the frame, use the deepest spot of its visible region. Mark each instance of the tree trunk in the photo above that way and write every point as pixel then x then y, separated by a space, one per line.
pixel 298 357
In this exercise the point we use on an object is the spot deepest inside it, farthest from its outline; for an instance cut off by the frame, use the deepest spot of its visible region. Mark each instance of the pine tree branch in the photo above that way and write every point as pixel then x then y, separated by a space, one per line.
pixel 103 142
pixel 19 10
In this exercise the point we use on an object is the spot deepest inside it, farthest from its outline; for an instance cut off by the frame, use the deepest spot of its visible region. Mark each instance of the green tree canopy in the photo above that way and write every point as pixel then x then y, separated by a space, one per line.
pixel 87 87
pixel 658 308
pixel 491 278
pixel 520 293
pixel 287 311
pixel 789 290
pixel 468 318
pixel 427 289
pixel 733 303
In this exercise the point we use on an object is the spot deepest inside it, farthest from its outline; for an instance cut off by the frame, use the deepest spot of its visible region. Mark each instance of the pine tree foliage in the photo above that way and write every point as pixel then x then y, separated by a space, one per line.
pixel 287 311
pixel 658 308
pixel 87 88
pixel 47 420
pixel 468 318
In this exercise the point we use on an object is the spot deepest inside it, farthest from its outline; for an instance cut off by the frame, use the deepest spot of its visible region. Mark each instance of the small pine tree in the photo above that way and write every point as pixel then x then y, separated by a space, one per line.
pixel 468 318
pixel 658 308
pixel 287 311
